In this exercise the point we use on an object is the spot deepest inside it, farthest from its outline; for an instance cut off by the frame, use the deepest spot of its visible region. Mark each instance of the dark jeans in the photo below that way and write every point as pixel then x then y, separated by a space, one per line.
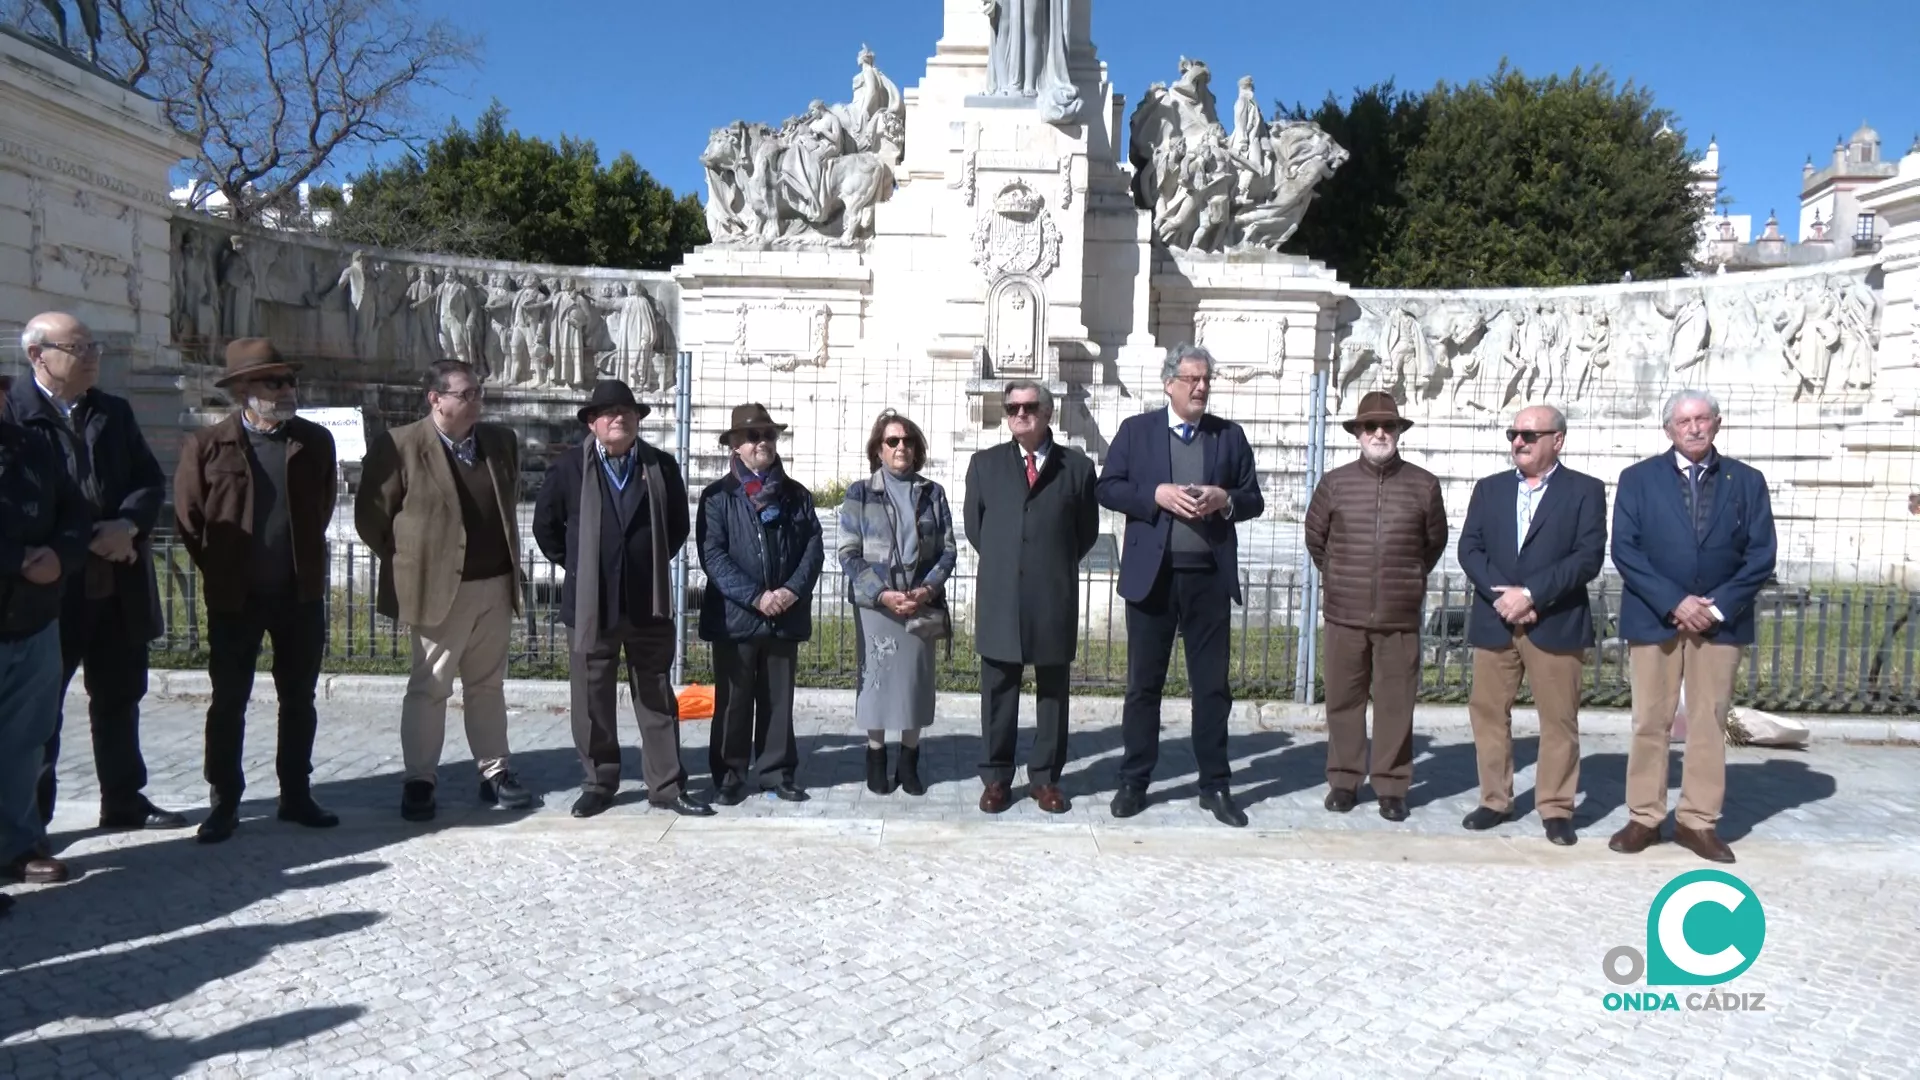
pixel 1000 721
pixel 1198 605
pixel 29 699
pixel 298 631
pixel 596 708
pixel 752 736
pixel 96 635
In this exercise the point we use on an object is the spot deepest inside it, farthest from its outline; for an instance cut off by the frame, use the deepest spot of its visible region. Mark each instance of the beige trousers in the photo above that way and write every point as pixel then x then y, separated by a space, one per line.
pixel 1555 680
pixel 471 643
pixel 1659 671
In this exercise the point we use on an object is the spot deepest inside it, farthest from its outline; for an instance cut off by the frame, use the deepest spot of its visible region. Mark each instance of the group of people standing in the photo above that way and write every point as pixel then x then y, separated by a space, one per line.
pixel 253 496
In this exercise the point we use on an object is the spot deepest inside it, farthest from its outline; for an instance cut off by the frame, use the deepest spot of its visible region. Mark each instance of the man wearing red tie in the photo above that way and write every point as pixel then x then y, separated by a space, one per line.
pixel 1031 514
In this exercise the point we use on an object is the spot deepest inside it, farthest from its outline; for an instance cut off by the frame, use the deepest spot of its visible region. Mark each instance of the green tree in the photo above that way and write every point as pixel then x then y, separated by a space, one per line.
pixel 1540 182
pixel 1356 215
pixel 491 192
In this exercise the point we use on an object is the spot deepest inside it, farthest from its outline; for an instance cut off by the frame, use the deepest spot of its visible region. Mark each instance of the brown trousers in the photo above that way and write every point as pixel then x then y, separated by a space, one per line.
pixel 1659 671
pixel 1554 678
pixel 1383 666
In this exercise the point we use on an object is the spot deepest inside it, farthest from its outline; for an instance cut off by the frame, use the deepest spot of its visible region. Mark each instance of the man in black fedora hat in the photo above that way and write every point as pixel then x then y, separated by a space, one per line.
pixel 760 547
pixel 612 511
pixel 1376 527
pixel 252 498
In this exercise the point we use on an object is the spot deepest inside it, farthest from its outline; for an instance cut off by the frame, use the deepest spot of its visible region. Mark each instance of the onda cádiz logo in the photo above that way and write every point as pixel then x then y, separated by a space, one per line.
pixel 1705 928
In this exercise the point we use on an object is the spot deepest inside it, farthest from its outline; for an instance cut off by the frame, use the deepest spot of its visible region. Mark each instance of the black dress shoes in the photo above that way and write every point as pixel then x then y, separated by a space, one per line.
pixel 1486 817
pixel 686 807
pixel 505 790
pixel 140 815
pixel 731 794
pixel 302 810
pixel 1340 800
pixel 1128 801
pixel 1393 808
pixel 590 803
pixel 220 824
pixel 416 801
pixel 788 791
pixel 1221 803
pixel 1560 831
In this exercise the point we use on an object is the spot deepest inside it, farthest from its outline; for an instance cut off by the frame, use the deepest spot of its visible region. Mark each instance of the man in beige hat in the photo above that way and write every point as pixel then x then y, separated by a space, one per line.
pixel 252 498
pixel 438 503
pixel 1376 528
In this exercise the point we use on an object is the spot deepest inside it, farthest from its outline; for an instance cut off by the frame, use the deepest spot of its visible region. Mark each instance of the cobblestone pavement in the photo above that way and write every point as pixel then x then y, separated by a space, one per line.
pixel 889 936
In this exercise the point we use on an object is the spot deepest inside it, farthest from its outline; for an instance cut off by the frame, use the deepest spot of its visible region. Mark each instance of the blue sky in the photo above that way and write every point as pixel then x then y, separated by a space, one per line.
pixel 1773 81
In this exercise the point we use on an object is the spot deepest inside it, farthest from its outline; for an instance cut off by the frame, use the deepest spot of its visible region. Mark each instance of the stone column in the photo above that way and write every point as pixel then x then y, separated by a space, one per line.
pixel 1897 202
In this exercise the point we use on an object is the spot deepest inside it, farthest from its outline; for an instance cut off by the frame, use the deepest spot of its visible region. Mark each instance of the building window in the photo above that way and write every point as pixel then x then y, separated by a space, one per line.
pixel 1863 227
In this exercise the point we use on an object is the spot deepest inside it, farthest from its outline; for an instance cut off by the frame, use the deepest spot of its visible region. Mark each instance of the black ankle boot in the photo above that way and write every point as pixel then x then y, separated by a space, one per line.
pixel 877 770
pixel 907 772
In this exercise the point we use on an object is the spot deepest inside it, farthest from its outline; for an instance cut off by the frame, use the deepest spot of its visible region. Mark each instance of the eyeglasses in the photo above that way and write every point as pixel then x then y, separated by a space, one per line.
pixel 1023 408
pixel 75 348
pixel 469 395
pixel 1193 381
pixel 276 382
pixel 1374 427
pixel 894 441
pixel 753 435
pixel 1531 437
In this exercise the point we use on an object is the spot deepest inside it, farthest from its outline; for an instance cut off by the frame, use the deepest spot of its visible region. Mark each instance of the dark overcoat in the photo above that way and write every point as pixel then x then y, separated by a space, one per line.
pixel 1031 541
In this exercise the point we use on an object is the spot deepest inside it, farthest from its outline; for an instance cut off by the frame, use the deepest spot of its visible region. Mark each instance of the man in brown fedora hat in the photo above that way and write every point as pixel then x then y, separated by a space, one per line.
pixel 760 547
pixel 252 498
pixel 438 503
pixel 612 511
pixel 111 608
pixel 1376 527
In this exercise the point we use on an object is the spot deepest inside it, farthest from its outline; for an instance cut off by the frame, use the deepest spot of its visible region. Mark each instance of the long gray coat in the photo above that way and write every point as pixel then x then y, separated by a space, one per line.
pixel 1030 542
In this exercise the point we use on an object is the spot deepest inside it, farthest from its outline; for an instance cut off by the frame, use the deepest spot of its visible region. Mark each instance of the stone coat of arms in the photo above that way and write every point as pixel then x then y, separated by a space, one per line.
pixel 1018 236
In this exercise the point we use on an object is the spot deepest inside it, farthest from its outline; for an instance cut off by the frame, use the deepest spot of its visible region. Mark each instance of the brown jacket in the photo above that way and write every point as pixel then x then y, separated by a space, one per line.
pixel 1376 532
pixel 213 507
pixel 408 513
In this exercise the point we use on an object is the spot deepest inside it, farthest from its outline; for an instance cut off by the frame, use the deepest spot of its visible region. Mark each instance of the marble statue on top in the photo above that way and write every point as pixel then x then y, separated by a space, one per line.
pixel 1027 57
pixel 1214 191
pixel 814 180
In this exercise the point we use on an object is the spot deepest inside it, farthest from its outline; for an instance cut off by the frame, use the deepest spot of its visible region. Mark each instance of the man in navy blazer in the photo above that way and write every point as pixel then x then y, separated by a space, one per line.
pixel 1535 536
pixel 1693 540
pixel 1183 479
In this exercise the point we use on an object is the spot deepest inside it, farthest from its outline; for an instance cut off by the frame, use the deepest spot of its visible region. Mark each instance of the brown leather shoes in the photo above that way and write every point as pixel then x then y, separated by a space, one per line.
pixel 1634 838
pixel 1705 843
pixel 39 870
pixel 996 798
pixel 1050 798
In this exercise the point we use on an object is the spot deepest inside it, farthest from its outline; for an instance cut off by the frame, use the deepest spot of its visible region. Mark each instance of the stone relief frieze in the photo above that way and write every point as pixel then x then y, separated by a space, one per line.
pixel 520 326
pixel 1214 191
pixel 1614 349
pixel 816 179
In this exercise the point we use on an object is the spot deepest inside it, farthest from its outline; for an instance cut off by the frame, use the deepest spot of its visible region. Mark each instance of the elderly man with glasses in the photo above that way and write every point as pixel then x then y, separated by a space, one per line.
pixel 1534 538
pixel 1031 514
pixel 1376 528
pixel 111 606
pixel 1694 542
pixel 439 504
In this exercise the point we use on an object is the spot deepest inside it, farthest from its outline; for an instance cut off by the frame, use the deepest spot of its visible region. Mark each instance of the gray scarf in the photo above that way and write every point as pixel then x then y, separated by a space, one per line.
pixel 593 484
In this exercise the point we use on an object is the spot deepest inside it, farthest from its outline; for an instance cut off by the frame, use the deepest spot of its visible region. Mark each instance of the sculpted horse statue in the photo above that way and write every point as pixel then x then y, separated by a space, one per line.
pixel 745 200
pixel 1303 156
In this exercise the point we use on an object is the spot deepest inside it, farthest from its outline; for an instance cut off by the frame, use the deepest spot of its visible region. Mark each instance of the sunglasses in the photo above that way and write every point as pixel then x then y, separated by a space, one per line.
pixel 277 382
pixel 1371 427
pixel 1023 408
pixel 894 441
pixel 759 434
pixel 1531 437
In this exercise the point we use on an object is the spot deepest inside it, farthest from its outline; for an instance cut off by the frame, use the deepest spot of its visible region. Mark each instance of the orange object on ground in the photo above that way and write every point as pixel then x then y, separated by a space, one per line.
pixel 696 703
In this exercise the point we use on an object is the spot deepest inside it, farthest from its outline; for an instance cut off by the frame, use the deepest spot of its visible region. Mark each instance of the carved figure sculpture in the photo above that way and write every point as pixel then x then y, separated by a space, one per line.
pixel 1591 350
pixel 1858 311
pixel 1028 55
pixel 1811 337
pixel 1689 333
pixel 496 326
pixel 423 316
pixel 459 317
pixel 1270 169
pixel 237 283
pixel 634 329
pixel 196 314
pixel 876 118
pixel 362 305
pixel 528 354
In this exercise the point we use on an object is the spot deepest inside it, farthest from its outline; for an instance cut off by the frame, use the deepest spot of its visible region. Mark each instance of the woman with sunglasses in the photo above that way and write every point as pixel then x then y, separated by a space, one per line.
pixel 897 551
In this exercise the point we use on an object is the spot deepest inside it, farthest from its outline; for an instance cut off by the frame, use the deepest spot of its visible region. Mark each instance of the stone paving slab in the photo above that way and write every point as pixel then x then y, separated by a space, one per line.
pixel 886 936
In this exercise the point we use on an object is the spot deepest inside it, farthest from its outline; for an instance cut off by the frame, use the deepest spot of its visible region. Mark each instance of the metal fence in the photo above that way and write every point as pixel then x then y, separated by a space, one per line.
pixel 1837 649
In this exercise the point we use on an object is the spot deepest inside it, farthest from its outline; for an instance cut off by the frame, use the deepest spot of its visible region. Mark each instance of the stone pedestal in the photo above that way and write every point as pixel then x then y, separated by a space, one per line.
pixel 83 218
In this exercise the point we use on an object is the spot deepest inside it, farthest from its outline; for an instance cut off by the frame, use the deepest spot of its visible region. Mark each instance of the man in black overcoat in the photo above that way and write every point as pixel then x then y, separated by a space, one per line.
pixel 1031 514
